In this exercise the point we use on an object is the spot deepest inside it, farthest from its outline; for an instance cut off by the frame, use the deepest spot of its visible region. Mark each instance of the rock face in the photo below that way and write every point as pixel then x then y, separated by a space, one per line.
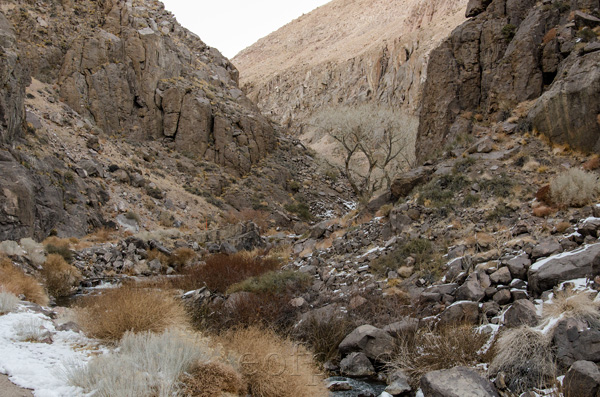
pixel 507 53
pixel 134 71
pixel 582 379
pixel 548 272
pixel 344 53
pixel 13 80
pixel 576 340
pixel 456 382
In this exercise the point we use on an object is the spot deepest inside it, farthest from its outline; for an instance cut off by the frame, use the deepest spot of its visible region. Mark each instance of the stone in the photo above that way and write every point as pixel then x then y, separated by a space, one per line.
pixel 490 309
pixel 518 265
pixel 502 297
pixel 459 313
pixel 589 227
pixel 501 276
pixel 582 380
pixel 375 343
pixel 406 182
pixel 356 364
pixel 582 20
pixel 575 340
pixel 471 290
pixel 548 272
pixel 398 383
pixel 545 248
pixel 456 382
pixel 406 326
pixel 522 312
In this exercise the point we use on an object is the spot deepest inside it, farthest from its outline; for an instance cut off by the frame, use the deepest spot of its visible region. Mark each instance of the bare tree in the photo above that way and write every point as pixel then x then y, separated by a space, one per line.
pixel 375 147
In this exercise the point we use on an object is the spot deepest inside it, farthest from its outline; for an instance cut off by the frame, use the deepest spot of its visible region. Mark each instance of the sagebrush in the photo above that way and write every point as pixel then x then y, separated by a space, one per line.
pixel 574 188
pixel 60 278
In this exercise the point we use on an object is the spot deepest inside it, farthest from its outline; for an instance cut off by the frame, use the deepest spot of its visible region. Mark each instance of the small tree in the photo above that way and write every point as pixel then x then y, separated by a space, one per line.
pixel 372 141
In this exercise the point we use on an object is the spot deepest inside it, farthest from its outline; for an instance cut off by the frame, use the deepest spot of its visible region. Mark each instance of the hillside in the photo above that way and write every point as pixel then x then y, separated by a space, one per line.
pixel 346 52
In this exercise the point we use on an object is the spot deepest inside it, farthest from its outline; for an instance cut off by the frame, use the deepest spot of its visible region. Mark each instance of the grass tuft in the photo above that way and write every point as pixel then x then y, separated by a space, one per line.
pixel 111 314
pixel 14 280
pixel 212 379
pixel 61 279
pixel 8 301
pixel 574 188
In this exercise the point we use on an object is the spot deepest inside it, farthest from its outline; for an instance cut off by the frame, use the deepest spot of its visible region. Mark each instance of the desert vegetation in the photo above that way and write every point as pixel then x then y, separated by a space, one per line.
pixel 574 187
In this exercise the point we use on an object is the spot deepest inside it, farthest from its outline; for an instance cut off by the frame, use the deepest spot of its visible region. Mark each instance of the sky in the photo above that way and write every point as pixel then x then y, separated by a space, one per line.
pixel 232 25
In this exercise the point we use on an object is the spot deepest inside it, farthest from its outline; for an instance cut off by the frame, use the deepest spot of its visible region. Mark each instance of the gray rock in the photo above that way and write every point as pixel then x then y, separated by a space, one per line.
pixel 398 383
pixel 582 380
pixel 406 326
pixel 522 312
pixel 356 364
pixel 406 182
pixel 549 272
pixel 374 342
pixel 518 265
pixel 471 290
pixel 501 276
pixel 476 7
pixel 456 382
pixel 576 340
pixel 502 297
pixel 545 248
pixel 459 313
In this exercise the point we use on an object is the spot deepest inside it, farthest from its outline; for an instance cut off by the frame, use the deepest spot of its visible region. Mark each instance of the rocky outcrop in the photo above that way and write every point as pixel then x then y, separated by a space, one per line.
pixel 13 80
pixel 135 72
pixel 582 379
pixel 507 53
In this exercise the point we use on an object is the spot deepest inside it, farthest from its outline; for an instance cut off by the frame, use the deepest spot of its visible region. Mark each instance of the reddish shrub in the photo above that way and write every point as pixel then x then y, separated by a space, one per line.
pixel 543 195
pixel 221 271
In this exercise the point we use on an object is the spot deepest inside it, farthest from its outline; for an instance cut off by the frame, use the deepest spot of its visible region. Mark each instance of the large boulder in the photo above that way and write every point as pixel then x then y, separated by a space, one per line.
pixel 456 382
pixel 406 182
pixel 582 380
pixel 356 364
pixel 375 343
pixel 549 272
pixel 522 312
pixel 575 340
pixel 568 111
pixel 460 313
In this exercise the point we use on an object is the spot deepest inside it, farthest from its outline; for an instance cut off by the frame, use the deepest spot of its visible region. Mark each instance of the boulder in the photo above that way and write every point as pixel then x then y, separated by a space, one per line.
pixel 356 364
pixel 398 383
pixel 545 248
pixel 456 382
pixel 549 272
pixel 459 313
pixel 403 327
pixel 522 312
pixel 405 183
pixel 502 297
pixel 501 276
pixel 375 343
pixel 471 290
pixel 518 265
pixel 576 340
pixel 582 380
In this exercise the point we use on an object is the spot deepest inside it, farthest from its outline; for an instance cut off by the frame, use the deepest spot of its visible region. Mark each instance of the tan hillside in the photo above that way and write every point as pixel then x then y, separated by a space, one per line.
pixel 347 51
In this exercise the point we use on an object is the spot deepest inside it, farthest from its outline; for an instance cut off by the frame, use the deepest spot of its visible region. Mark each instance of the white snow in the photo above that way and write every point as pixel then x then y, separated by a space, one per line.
pixel 40 366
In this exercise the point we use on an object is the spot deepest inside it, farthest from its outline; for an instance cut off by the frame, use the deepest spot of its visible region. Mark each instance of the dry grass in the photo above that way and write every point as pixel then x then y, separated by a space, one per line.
pixel 525 357
pixel 212 379
pixel 8 301
pixel 181 256
pixel 31 330
pixel 324 337
pixel 113 313
pixel 60 278
pixel 101 235
pixel 221 271
pixel 15 281
pixel 574 188
pixel 428 350
pixel 577 304
pixel 273 366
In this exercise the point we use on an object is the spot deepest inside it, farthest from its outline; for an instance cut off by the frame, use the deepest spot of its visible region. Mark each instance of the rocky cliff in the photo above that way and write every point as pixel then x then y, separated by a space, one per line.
pixel 510 52
pixel 129 67
pixel 347 52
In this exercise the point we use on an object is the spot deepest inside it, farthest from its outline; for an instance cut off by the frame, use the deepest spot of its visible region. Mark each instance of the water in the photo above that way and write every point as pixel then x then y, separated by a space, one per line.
pixel 360 388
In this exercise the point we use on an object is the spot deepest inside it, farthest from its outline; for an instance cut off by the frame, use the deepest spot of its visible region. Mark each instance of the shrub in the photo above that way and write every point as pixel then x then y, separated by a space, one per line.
pixel 133 216
pixel 577 304
pixel 574 188
pixel 14 280
pixel 146 364
pixel 499 186
pixel 62 247
pixel 420 249
pixel 273 282
pixel 31 330
pixel 300 209
pixel 61 279
pixel 212 379
pixel 441 191
pixel 273 366
pixel 509 31
pixel 181 257
pixel 111 314
pixel 324 337
pixel 525 357
pixel 34 250
pixel 10 248
pixel 221 271
pixel 425 350
pixel 8 301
